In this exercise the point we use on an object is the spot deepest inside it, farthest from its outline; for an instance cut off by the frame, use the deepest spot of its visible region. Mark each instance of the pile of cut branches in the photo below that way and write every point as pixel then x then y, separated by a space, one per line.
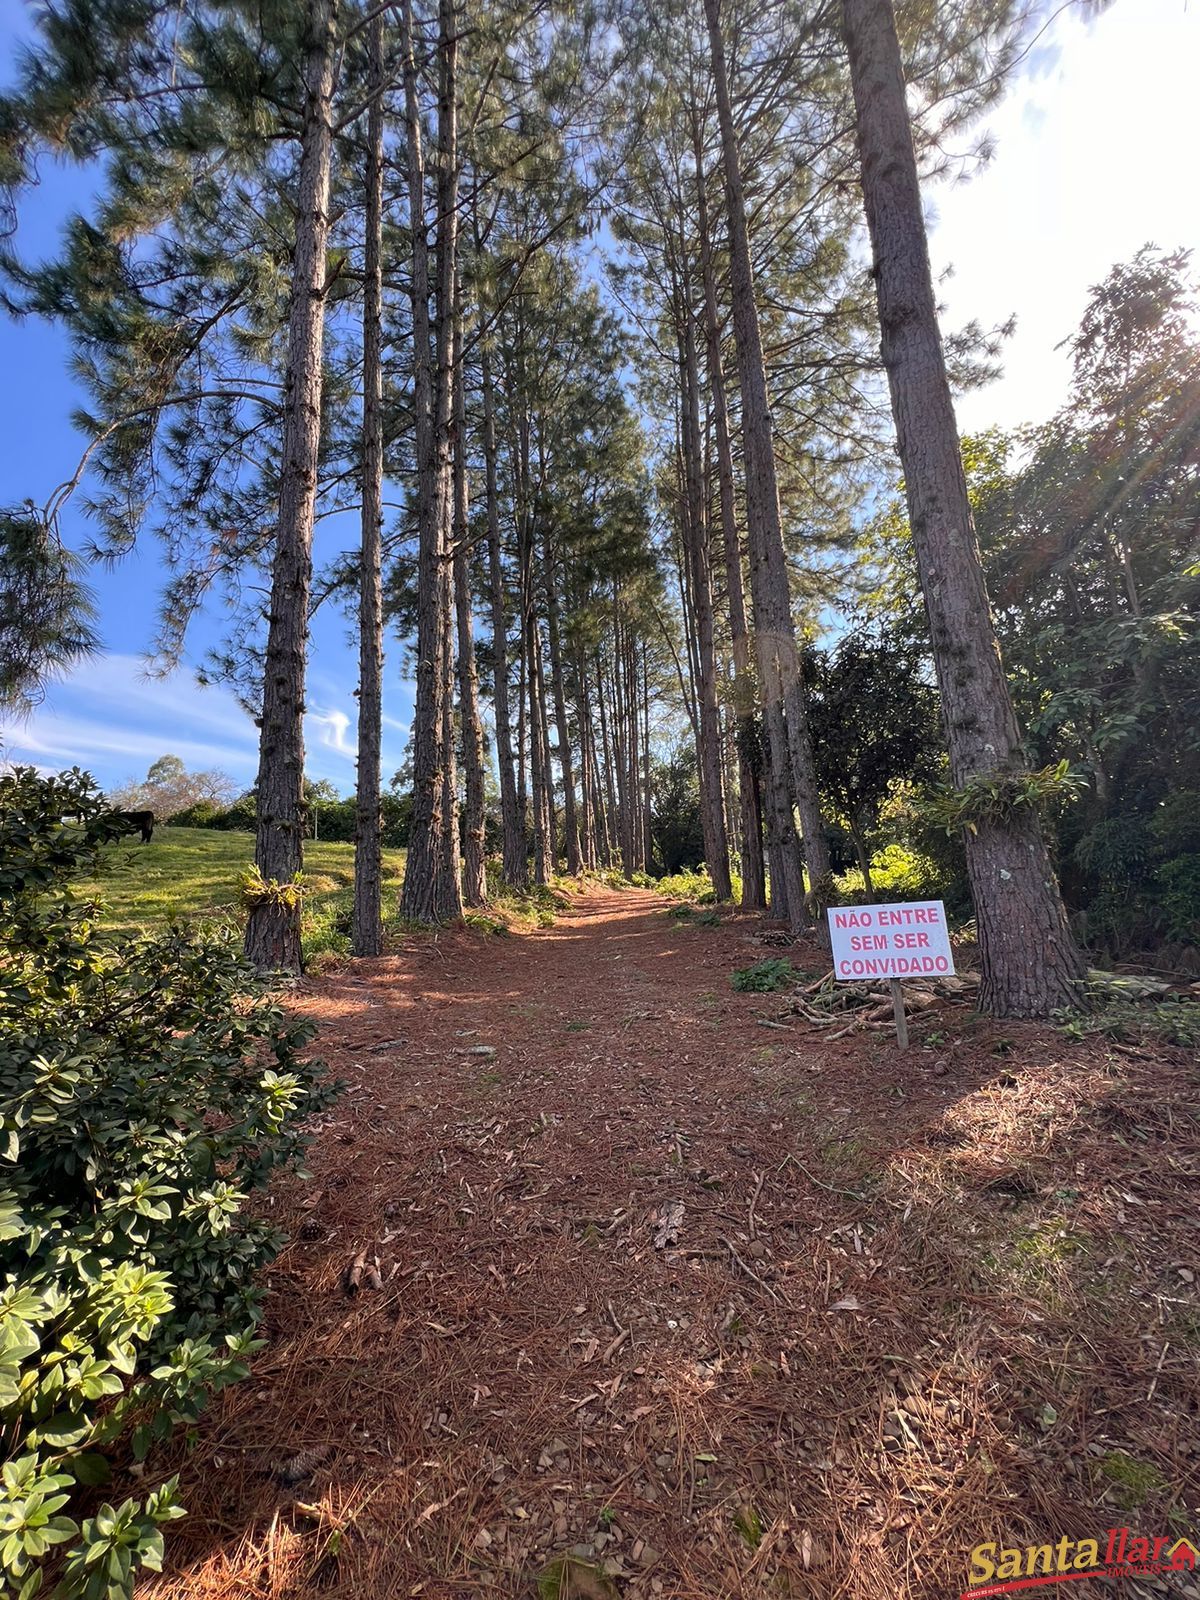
pixel 866 1007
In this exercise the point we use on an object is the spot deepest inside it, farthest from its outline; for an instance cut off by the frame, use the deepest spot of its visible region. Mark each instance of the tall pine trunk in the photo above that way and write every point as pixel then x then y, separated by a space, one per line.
pixel 366 924
pixel 515 853
pixel 695 522
pixel 273 926
pixel 780 683
pixel 1030 965
pixel 448 883
pixel 422 870
pixel 432 884
pixel 561 725
pixel 754 882
pixel 474 865
pixel 612 830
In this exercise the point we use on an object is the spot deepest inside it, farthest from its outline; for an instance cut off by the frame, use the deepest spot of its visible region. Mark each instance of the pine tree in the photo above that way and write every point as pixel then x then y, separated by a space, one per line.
pixel 273 924
pixel 1030 965
pixel 366 933
pixel 790 749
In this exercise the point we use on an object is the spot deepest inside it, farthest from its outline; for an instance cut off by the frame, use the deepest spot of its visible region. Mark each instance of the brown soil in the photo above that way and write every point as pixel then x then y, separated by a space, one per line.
pixel 718 1309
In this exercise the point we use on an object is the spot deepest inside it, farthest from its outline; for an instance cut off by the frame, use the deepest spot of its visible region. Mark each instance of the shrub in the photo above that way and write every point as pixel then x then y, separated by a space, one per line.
pixel 201 815
pixel 143 1091
pixel 1179 896
pixel 897 873
pixel 764 977
pixel 240 817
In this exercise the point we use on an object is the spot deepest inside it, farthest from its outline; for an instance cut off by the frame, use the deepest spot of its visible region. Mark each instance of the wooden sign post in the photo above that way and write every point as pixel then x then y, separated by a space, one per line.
pixel 897 989
pixel 891 942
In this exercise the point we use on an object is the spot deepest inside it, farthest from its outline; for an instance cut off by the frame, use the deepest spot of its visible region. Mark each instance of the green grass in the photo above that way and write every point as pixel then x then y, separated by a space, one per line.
pixel 193 872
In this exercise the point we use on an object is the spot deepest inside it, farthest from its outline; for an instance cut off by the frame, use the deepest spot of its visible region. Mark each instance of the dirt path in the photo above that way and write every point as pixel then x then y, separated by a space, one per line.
pixel 715 1308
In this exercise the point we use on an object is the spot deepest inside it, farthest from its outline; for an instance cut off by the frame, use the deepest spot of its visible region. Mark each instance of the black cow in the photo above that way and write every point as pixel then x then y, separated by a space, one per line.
pixel 136 822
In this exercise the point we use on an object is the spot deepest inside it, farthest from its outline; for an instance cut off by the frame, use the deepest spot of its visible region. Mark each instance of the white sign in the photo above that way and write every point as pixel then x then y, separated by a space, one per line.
pixel 901 941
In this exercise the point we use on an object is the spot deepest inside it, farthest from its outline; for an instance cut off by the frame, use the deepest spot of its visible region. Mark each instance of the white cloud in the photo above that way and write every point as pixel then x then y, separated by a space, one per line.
pixel 109 717
pixel 1095 157
pixel 333 732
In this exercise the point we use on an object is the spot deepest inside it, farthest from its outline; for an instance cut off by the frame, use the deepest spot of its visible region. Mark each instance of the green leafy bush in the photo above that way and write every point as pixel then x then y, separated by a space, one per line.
pixel 764 977
pixel 694 884
pixel 897 873
pixel 690 884
pixel 1179 896
pixel 144 1090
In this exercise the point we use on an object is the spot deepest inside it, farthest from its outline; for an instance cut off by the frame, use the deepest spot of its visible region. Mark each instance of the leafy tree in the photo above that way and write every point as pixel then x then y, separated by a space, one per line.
pixel 169 788
pixel 677 825
pixel 1089 532
pixel 874 719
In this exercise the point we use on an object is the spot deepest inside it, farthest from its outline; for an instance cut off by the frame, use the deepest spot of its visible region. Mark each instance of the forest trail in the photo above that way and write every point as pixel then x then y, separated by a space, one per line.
pixel 698 1305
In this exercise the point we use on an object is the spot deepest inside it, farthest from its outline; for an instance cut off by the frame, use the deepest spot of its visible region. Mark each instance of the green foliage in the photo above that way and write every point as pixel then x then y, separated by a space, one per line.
pixel 996 796
pixel 201 815
pixel 46 612
pixel 694 917
pixel 240 817
pixel 1134 1021
pixel 1087 527
pixel 874 721
pixel 329 821
pixel 694 885
pixel 764 977
pixel 1179 896
pixel 675 811
pixel 1131 1482
pixel 255 890
pixel 144 1091
pixel 171 791
pixel 898 872
pixel 324 933
pixel 534 907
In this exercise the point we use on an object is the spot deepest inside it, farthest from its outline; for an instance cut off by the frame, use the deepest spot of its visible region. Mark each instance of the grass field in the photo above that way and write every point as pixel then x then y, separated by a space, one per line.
pixel 193 872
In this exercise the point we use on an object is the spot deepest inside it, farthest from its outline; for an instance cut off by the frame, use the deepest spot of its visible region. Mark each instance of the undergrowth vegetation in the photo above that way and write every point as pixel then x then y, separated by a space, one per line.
pixel 144 1091
pixel 764 977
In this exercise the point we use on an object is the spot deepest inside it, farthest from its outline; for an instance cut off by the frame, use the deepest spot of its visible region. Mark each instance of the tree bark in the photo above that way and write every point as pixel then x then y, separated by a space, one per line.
pixel 474 862
pixel 863 855
pixel 561 727
pixel 612 830
pixel 273 926
pixel 780 683
pixel 550 834
pixel 420 897
pixel 515 868
pixel 1030 964
pixel 366 922
pixel 647 798
pixel 754 880
pixel 448 902
pixel 695 522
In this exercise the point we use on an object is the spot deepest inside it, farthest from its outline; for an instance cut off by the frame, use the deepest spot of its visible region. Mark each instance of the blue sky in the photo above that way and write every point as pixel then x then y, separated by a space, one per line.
pixel 109 716
pixel 1095 156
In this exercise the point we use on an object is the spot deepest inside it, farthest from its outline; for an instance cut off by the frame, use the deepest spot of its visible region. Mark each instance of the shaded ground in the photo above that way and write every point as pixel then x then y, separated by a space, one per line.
pixel 724 1310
